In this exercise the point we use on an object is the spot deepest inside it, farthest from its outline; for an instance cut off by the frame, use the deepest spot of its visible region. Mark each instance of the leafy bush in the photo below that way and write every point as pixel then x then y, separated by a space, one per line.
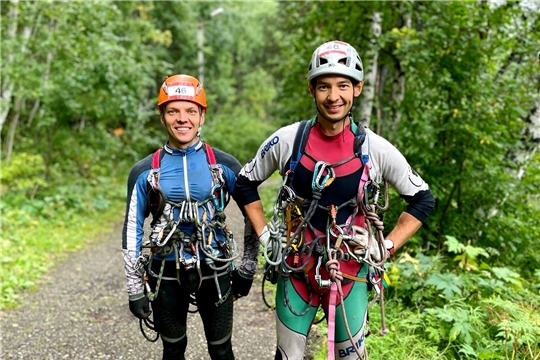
pixel 22 174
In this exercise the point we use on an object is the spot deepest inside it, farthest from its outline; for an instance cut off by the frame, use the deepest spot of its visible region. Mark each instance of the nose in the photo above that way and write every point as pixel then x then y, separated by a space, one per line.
pixel 333 94
pixel 182 116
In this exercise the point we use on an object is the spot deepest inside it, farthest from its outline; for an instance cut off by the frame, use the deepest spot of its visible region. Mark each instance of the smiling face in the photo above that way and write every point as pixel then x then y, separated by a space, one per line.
pixel 334 96
pixel 182 119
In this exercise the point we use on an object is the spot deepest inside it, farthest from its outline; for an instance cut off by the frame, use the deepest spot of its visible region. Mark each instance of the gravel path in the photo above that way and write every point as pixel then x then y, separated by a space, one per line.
pixel 81 312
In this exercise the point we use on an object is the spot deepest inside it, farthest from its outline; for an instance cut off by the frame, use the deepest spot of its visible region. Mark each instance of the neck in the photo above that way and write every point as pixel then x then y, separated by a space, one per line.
pixel 331 128
pixel 173 143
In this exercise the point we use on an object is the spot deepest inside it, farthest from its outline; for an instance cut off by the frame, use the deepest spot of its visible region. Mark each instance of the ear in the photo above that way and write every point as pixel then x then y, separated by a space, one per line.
pixel 311 90
pixel 202 118
pixel 358 89
pixel 162 118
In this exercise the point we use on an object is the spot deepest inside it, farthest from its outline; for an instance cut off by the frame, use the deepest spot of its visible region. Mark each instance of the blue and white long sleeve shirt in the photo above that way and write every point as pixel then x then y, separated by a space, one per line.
pixel 184 176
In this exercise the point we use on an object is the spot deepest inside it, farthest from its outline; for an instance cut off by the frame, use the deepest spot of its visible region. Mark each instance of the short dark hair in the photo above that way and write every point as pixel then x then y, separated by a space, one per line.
pixel 314 81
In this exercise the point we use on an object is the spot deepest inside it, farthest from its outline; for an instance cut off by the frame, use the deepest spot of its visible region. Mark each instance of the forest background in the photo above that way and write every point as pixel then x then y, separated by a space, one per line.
pixel 454 85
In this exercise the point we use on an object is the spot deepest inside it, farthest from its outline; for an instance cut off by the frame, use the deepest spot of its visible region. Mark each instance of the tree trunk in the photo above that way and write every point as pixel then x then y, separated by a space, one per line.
pixel 370 76
pixel 33 112
pixel 7 82
pixel 531 144
pixel 13 129
pixel 82 122
pixel 382 75
pixel 398 88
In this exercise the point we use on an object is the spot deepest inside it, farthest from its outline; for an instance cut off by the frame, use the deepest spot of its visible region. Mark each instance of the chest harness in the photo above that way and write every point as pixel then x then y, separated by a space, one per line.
pixel 166 237
pixel 292 216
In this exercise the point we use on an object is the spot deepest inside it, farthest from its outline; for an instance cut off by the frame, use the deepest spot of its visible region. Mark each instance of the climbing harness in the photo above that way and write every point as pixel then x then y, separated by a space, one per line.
pixel 340 242
pixel 166 237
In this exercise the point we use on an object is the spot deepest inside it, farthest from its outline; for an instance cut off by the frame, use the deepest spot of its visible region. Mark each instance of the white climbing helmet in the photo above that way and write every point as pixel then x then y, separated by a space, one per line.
pixel 338 58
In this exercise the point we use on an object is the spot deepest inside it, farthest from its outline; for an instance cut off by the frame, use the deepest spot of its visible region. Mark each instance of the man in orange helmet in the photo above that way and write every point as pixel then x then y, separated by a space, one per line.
pixel 186 186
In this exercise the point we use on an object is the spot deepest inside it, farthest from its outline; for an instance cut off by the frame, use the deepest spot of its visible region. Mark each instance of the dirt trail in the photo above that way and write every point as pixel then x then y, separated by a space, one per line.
pixel 81 312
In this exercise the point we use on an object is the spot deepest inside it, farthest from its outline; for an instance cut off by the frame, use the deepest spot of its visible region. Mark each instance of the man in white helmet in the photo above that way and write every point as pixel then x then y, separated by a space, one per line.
pixel 324 239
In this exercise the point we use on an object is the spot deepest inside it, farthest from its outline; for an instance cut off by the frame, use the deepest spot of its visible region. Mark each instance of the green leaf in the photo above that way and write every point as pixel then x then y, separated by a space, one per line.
pixel 450 284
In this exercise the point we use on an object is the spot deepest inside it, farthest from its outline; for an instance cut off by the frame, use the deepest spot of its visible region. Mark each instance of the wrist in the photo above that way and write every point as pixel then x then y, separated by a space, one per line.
pixel 136 297
pixel 264 231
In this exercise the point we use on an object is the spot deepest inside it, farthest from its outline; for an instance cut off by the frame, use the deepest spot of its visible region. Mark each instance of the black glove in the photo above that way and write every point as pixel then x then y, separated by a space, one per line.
pixel 241 283
pixel 140 307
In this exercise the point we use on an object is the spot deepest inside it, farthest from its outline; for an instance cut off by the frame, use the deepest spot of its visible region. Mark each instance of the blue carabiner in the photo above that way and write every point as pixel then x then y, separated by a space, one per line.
pixel 219 204
pixel 318 185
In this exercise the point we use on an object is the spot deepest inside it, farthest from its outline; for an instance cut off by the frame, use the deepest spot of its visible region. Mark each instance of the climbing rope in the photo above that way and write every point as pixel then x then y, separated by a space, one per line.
pixel 373 253
pixel 149 324
pixel 332 266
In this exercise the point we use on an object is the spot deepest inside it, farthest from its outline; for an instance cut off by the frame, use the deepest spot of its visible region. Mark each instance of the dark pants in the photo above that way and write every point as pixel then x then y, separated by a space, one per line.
pixel 170 310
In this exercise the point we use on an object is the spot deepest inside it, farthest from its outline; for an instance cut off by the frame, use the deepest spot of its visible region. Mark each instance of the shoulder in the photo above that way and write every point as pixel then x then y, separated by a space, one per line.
pixel 141 166
pixel 139 171
pixel 380 148
pixel 388 163
pixel 282 138
pixel 287 132
pixel 226 159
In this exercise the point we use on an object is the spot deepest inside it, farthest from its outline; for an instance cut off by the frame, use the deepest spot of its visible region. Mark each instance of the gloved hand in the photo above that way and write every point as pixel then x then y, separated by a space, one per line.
pixel 264 238
pixel 241 283
pixel 140 306
pixel 362 239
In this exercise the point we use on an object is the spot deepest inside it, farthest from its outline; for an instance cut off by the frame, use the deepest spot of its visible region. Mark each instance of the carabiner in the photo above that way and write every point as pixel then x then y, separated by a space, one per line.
pixel 317 184
pixel 219 205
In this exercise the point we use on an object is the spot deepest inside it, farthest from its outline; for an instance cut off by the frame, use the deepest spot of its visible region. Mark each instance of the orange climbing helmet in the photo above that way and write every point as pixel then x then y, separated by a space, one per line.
pixel 182 87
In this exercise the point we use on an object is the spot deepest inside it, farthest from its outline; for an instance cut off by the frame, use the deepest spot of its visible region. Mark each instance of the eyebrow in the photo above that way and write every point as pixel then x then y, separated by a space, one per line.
pixel 178 109
pixel 339 83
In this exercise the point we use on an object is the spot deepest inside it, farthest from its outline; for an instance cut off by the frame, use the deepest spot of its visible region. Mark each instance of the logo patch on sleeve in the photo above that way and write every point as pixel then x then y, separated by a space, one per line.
pixel 414 178
pixel 269 145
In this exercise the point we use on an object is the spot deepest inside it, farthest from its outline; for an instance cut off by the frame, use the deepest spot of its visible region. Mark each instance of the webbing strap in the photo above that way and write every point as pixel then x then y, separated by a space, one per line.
pixel 355 278
pixel 210 154
pixel 363 179
pixel 156 158
pixel 299 142
pixel 332 320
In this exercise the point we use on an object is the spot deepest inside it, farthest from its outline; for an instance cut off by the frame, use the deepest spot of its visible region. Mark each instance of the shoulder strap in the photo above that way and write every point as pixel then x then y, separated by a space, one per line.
pixel 210 154
pixel 155 199
pixel 156 165
pixel 156 159
pixel 219 193
pixel 361 146
pixel 299 144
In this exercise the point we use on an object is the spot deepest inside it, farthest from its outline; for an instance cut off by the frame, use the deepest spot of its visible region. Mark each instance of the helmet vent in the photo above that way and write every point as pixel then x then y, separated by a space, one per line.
pixel 336 58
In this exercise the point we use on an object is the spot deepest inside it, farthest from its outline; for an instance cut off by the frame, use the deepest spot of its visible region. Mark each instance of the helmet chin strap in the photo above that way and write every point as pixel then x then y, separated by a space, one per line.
pixel 198 133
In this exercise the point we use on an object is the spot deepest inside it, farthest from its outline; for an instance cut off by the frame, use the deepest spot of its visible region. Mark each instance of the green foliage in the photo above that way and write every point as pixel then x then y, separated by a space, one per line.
pixel 85 76
pixel 464 323
pixel 23 174
pixel 32 242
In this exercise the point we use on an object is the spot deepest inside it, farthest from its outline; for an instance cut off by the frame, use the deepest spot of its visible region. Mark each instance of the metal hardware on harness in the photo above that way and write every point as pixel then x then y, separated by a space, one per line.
pixel 219 204
pixel 142 263
pixel 317 184
pixel 323 284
